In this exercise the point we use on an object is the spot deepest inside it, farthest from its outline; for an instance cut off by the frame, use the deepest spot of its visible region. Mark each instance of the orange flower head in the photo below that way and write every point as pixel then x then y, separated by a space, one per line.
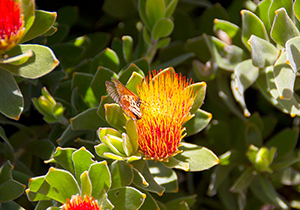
pixel 11 24
pixel 166 102
pixel 77 203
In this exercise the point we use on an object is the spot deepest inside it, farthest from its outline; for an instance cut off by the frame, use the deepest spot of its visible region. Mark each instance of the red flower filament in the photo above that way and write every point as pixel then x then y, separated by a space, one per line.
pixel 11 24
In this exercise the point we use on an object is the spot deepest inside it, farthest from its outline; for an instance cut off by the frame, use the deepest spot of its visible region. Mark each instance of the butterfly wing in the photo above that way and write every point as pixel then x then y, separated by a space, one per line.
pixel 112 91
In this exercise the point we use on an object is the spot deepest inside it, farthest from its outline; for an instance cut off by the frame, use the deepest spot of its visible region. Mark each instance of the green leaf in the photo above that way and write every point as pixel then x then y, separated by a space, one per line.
pixel 143 15
pixel 171 8
pixel 87 120
pixel 125 9
pixel 106 58
pixel 284 147
pixel 278 4
pixel 121 174
pixel 198 122
pixel 164 42
pixel 82 159
pixel 263 52
pixel 11 205
pixel 199 47
pixel 144 179
pixel 19 59
pixel 178 203
pixel 100 177
pixel 226 56
pixel 292 53
pixel 64 183
pixel 42 62
pixel 126 198
pixel 289 176
pixel 64 157
pixel 86 185
pixel 243 181
pixel 98 83
pixel 67 15
pixel 162 28
pixel 200 89
pixel 43 22
pixel 232 30
pixel 174 61
pixel 115 116
pixel 133 81
pixel 128 72
pixel 262 12
pixel 42 148
pixel 5 172
pixel 251 24
pixel 199 158
pixel 150 202
pixel 28 8
pixel 165 177
pixel 9 150
pixel 284 78
pixel 245 75
pixel 12 102
pixel 155 10
pixel 130 144
pixel 283 28
pixel 10 190
pixel 297 9
pixel 175 163
pixel 127 48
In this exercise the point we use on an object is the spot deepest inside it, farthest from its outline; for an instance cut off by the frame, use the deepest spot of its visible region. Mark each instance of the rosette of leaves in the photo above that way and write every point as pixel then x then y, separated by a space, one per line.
pixel 262 53
pixel 77 173
pixel 28 61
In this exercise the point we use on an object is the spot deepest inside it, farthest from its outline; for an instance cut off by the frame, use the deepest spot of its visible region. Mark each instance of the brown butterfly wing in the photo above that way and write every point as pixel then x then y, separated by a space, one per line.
pixel 112 91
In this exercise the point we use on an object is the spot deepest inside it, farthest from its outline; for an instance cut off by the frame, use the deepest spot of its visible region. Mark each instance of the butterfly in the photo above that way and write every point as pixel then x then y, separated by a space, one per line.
pixel 129 102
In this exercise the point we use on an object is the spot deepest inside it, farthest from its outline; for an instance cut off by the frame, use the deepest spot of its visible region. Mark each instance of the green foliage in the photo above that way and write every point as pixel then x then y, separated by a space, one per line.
pixel 242 152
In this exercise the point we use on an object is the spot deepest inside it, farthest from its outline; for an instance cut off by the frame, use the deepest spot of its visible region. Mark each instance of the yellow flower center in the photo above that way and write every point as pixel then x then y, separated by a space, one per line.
pixel 166 102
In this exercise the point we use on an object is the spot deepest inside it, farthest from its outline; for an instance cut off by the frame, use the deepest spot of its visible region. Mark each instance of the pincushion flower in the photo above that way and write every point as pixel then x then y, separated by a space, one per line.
pixel 79 203
pixel 11 24
pixel 167 101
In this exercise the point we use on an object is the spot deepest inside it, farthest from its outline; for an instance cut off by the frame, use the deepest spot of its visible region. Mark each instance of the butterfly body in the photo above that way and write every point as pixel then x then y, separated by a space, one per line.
pixel 129 102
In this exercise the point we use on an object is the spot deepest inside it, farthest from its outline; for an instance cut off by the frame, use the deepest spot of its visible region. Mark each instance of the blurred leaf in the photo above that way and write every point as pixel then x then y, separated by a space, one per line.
pixel 42 23
pixel 199 158
pixel 243 181
pixel 251 24
pixel 245 75
pixel 226 56
pixel 126 198
pixel 232 30
pixel 176 204
pixel 10 190
pixel 198 122
pixel 263 52
pixel 283 28
pixel 162 28
pixel 87 120
pixel 42 148
pixel 68 135
pixel 171 8
pixel 124 9
pixel 198 46
pixel 199 89
pixel 285 141
pixel 67 15
pixel 9 150
pixel 292 53
pixel 175 61
pixel 121 174
pixel 128 72
pixel 127 48
pixel 143 15
pixel 12 102
pixel 290 177
pixel 106 58
pixel 42 62
pixel 297 9
pixel 28 8
pixel 98 83
pixel 99 41
pixel 155 10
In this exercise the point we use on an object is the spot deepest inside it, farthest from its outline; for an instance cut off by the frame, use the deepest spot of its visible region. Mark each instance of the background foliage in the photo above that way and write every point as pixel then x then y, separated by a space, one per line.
pixel 239 49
